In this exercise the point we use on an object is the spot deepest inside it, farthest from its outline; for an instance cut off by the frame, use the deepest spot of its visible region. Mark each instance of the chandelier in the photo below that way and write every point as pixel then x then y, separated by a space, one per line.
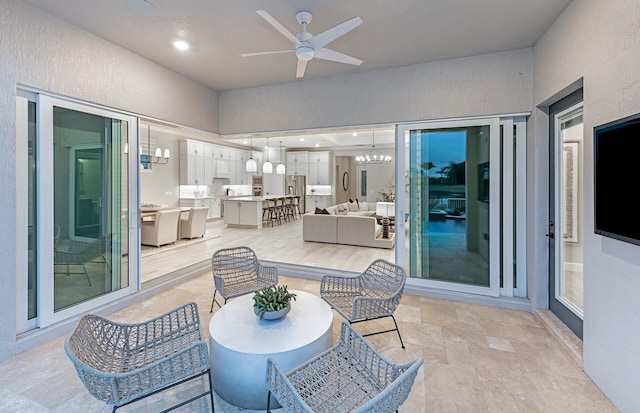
pixel 146 159
pixel 373 156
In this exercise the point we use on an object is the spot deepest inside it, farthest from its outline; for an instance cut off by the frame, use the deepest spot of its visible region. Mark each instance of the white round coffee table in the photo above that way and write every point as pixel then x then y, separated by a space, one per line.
pixel 240 344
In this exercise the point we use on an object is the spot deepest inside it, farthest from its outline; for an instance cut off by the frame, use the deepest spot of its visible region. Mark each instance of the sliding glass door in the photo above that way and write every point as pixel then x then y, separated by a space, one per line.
pixel 458 206
pixel 79 199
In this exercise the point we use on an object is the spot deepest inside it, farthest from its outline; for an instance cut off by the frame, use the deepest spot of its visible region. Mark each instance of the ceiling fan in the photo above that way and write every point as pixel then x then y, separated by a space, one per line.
pixel 308 46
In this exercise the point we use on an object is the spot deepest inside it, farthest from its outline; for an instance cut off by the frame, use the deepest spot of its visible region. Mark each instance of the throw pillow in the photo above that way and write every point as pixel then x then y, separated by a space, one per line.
pixel 364 207
pixel 321 211
pixel 353 207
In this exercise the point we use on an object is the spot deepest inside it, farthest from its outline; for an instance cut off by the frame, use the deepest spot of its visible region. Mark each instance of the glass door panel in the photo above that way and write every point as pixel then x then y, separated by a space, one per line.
pixel 87 177
pixel 447 206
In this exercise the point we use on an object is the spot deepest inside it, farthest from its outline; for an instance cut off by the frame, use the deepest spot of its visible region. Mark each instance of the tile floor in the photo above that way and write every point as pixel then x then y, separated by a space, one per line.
pixel 477 359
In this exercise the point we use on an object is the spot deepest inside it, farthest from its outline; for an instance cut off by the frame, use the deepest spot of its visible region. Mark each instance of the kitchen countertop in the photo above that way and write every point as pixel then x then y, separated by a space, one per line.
pixel 245 198
pixel 198 197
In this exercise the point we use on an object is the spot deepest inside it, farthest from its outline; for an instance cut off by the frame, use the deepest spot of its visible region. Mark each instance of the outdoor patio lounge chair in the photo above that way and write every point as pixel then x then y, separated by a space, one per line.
pixel 349 377
pixel 123 363
pixel 375 293
pixel 237 271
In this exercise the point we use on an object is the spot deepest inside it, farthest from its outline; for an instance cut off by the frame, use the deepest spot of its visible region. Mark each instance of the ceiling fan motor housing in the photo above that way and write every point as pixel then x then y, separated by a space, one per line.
pixel 304 52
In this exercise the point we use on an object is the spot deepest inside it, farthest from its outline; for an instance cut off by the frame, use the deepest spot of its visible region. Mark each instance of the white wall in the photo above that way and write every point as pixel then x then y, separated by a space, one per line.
pixel 161 184
pixel 43 52
pixel 598 41
pixel 479 85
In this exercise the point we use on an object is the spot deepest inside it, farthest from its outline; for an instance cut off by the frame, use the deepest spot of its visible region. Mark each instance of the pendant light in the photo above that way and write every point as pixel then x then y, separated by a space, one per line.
pixel 251 165
pixel 267 167
pixel 281 169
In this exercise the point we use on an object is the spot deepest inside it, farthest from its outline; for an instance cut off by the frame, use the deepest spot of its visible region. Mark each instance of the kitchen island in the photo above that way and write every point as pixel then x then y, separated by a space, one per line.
pixel 243 212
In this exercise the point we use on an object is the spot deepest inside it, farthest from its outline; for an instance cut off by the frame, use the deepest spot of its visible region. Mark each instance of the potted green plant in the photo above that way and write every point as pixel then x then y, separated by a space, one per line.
pixel 272 302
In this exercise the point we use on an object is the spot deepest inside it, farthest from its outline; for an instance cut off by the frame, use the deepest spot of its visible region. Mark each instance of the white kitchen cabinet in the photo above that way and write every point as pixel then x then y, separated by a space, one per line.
pixel 192 170
pixel 297 163
pixel 317 201
pixel 212 203
pixel 237 167
pixel 319 168
pixel 193 147
pixel 192 156
pixel 223 159
pixel 243 213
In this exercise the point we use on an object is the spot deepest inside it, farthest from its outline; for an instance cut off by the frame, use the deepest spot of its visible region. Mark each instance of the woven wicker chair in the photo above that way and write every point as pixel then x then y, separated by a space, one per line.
pixel 349 377
pixel 123 363
pixel 237 271
pixel 373 294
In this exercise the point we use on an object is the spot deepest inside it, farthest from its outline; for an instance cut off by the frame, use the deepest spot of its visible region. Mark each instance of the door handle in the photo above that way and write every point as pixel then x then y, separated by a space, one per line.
pixel 551 234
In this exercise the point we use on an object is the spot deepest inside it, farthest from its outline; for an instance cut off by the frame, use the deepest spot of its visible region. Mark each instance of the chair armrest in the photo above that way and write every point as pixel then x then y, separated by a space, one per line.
pixel 339 284
pixel 282 388
pixel 373 307
pixel 268 274
pixel 218 281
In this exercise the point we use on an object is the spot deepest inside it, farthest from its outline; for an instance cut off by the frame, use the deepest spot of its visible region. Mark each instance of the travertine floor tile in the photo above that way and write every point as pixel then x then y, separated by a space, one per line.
pixel 476 359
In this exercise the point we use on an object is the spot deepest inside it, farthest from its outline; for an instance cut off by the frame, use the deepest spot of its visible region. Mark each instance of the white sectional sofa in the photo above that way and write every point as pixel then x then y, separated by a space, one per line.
pixel 347 223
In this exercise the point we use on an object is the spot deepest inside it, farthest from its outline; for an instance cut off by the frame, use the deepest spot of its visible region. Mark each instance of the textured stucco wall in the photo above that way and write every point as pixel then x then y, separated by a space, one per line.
pixel 479 85
pixel 599 41
pixel 46 53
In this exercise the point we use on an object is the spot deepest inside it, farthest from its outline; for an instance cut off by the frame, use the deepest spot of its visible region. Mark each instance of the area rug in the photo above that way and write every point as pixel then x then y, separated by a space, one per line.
pixel 147 251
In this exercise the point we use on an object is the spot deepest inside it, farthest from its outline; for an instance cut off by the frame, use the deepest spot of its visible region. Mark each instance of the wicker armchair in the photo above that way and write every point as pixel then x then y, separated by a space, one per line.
pixel 375 293
pixel 123 363
pixel 349 377
pixel 237 271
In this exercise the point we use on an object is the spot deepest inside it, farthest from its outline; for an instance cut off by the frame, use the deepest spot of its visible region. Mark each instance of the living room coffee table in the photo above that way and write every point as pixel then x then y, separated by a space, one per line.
pixel 240 344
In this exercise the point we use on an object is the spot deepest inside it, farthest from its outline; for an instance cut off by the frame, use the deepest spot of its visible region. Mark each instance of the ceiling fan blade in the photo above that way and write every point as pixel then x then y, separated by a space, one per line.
pixel 302 65
pixel 279 27
pixel 326 37
pixel 328 54
pixel 263 53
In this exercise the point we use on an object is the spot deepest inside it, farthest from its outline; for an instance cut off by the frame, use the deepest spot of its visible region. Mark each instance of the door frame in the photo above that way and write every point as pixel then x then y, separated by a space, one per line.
pixel 44 209
pixel 558 109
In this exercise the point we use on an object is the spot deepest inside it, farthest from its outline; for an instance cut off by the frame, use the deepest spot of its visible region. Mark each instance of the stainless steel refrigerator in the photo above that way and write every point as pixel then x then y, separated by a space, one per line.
pixel 297 185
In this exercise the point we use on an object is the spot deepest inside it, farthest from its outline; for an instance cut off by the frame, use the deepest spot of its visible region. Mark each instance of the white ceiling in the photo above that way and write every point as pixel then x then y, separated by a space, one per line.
pixel 394 33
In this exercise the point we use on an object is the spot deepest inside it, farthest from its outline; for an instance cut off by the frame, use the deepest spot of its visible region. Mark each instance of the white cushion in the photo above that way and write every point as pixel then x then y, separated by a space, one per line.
pixel 353 207
pixel 364 206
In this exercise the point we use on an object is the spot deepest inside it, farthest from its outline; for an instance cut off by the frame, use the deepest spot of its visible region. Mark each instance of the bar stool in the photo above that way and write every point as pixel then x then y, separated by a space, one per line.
pixel 266 211
pixel 281 208
pixel 275 213
pixel 290 208
pixel 296 205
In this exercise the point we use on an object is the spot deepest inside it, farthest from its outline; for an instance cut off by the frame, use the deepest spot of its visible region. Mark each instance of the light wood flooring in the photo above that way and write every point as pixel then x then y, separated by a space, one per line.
pixel 282 243
pixel 476 359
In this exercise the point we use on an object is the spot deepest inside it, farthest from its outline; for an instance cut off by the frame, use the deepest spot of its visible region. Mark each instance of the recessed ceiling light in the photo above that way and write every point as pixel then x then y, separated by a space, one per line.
pixel 245 142
pixel 355 133
pixel 181 45
pixel 317 145
pixel 141 6
pixel 301 139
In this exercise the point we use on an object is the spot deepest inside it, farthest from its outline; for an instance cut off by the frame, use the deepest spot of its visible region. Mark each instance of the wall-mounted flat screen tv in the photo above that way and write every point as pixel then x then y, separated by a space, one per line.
pixel 617 179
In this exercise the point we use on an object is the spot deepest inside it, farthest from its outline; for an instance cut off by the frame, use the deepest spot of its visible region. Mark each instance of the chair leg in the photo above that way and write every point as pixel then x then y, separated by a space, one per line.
pixel 383 331
pixel 269 401
pixel 216 301
pixel 213 301
pixel 86 274
pixel 213 409
pixel 398 330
